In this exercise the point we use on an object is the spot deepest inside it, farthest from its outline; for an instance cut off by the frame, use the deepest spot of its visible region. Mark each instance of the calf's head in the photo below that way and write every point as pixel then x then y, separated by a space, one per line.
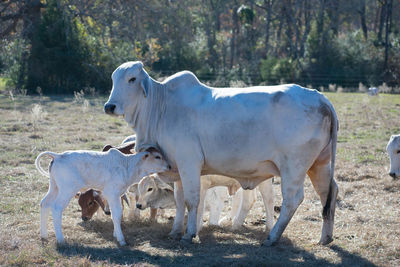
pixel 393 149
pixel 90 201
pixel 152 161
pixel 154 193
pixel 130 87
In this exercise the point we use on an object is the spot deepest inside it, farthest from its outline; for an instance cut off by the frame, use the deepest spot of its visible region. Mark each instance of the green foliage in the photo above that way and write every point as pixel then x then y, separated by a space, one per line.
pixel 344 60
pixel 246 14
pixel 274 70
pixel 59 57
pixel 76 44
pixel 11 52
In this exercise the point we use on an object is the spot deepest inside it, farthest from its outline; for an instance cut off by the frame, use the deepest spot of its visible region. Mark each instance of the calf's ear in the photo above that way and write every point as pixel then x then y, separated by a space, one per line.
pixel 77 195
pixel 162 185
pixel 134 189
pixel 106 148
pixel 98 199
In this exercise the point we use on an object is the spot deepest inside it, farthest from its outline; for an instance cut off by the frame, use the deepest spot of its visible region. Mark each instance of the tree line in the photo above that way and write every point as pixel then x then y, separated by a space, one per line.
pixel 62 46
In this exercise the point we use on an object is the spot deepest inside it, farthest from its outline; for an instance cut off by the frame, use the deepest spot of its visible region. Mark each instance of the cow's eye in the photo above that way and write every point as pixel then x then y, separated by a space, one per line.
pixel 158 157
pixel 90 203
pixel 131 80
pixel 150 189
pixel 398 151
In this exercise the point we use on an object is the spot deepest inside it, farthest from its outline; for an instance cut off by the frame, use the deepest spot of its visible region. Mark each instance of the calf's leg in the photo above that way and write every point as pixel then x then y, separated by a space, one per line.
pixel 45 206
pixel 58 207
pixel 114 200
pixel 246 202
pixel 267 193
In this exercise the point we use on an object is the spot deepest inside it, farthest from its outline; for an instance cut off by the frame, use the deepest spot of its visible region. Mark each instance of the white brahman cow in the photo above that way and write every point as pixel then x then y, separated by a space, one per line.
pixel 393 149
pixel 250 134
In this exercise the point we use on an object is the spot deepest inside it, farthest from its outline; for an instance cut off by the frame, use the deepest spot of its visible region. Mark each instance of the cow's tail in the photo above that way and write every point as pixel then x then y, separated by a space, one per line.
pixel 332 192
pixel 37 161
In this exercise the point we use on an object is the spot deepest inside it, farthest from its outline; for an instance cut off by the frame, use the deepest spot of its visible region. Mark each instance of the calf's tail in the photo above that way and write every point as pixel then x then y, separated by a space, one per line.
pixel 37 161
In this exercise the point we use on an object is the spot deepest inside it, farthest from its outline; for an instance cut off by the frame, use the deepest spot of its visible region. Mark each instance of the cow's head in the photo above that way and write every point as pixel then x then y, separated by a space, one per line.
pixel 130 86
pixel 153 192
pixel 393 149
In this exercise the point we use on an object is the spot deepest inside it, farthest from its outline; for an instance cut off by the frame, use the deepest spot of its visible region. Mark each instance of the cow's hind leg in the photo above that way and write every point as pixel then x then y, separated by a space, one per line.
pixel 293 194
pixel 327 191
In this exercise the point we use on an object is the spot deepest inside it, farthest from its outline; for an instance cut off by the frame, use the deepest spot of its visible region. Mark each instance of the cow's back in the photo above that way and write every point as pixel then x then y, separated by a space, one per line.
pixel 241 127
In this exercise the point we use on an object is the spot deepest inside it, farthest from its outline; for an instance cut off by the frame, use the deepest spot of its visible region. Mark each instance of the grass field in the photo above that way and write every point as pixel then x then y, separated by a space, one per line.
pixel 367 225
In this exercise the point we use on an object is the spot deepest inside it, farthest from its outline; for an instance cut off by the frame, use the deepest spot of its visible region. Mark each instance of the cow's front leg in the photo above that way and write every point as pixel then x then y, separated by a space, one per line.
pixel 177 228
pixel 190 177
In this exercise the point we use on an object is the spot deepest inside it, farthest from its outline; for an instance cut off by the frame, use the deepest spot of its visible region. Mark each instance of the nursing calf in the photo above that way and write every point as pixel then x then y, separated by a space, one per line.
pixel 110 172
pixel 91 200
pixel 155 193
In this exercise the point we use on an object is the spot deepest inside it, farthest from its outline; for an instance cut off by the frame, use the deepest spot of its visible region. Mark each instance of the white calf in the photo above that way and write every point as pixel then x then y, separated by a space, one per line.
pixel 110 172
pixel 393 149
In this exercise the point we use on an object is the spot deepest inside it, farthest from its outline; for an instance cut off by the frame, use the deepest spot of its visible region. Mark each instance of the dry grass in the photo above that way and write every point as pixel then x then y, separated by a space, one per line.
pixel 367 227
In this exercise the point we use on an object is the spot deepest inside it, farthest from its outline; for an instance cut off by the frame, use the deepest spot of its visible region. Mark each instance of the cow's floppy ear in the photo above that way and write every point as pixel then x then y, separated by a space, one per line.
pixel 145 84
pixel 77 195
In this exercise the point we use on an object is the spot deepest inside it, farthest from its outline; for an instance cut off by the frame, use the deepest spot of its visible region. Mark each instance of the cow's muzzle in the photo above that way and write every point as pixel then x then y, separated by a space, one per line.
pixel 109 108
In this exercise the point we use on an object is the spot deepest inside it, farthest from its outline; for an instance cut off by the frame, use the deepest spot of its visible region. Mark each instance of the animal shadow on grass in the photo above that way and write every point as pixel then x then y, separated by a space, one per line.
pixel 217 246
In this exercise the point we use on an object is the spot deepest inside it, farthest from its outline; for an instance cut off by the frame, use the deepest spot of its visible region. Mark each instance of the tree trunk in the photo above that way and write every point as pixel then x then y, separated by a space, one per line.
pixel 307 27
pixel 362 18
pixel 387 31
pixel 382 21
pixel 268 4
pixel 320 21
pixel 31 22
pixel 235 32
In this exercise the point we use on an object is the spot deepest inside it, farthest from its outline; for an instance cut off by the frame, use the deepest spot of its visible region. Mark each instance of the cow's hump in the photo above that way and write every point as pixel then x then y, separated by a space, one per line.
pixel 182 79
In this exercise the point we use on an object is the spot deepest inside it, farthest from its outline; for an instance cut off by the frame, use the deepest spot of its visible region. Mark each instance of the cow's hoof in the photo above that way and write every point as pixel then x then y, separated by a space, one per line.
pixel 122 243
pixel 186 242
pixel 268 243
pixel 325 241
pixel 175 236
pixel 44 240
pixel 187 238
